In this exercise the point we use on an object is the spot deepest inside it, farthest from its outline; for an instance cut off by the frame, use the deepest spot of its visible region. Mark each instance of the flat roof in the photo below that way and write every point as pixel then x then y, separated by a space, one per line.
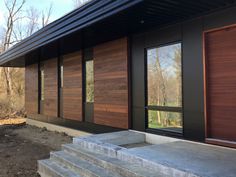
pixel 150 12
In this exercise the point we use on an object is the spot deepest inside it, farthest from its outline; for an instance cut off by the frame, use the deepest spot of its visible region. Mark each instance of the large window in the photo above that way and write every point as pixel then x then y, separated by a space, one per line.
pixel 164 88
pixel 89 82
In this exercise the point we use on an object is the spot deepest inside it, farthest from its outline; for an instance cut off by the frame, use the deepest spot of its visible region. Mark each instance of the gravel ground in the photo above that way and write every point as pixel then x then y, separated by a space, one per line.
pixel 22 145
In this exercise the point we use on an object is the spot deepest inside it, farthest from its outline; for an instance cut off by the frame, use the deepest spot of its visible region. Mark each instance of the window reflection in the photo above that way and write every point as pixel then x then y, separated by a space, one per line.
pixel 164 87
pixel 89 81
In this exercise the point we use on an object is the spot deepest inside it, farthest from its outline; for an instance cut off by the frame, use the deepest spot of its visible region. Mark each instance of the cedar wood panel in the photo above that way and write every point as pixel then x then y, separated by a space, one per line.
pixel 220 51
pixel 111 84
pixel 72 87
pixel 31 89
pixel 51 88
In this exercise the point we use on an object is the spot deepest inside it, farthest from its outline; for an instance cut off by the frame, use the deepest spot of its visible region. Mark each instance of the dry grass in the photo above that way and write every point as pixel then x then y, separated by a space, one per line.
pixel 12 121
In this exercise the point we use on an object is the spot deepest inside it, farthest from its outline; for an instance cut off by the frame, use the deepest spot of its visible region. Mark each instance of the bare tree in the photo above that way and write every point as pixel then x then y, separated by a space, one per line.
pixel 13 14
pixel 33 15
pixel 20 23
pixel 14 8
pixel 46 15
pixel 79 3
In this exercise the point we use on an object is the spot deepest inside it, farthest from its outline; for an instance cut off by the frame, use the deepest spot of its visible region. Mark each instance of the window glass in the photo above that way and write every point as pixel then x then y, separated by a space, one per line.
pixel 171 121
pixel 42 83
pixel 62 74
pixel 89 81
pixel 164 88
pixel 164 76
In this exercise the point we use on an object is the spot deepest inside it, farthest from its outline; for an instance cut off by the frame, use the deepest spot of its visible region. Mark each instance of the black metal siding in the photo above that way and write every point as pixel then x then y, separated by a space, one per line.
pixel 191 35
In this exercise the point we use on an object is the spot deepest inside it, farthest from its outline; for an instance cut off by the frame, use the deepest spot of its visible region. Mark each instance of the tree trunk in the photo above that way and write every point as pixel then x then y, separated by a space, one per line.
pixel 7 75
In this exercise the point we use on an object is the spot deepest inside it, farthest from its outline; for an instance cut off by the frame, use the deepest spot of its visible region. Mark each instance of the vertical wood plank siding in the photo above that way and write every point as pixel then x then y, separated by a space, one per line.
pixel 111 84
pixel 31 89
pixel 221 83
pixel 51 88
pixel 72 87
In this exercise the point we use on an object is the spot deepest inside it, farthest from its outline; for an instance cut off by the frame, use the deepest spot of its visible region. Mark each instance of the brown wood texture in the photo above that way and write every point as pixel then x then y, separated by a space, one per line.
pixel 231 144
pixel 220 56
pixel 31 89
pixel 72 88
pixel 111 84
pixel 50 106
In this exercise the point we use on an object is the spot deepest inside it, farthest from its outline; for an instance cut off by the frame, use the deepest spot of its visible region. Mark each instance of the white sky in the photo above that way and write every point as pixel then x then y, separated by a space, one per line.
pixel 60 8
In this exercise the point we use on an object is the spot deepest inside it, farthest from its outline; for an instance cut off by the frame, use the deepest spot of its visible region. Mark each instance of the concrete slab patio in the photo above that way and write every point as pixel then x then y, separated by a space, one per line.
pixel 130 153
pixel 198 159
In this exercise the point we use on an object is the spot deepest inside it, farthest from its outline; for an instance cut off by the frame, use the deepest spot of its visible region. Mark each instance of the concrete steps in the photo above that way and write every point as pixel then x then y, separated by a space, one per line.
pixel 80 166
pixel 48 168
pixel 94 156
pixel 110 163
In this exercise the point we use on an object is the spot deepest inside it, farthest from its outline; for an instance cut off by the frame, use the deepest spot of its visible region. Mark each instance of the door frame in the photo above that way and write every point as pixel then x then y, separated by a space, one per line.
pixel 205 74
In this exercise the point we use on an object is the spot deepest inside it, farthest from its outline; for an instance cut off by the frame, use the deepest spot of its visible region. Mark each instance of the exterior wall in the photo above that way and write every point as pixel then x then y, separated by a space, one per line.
pixel 111 101
pixel 72 86
pixel 31 89
pixel 50 104
pixel 111 84
pixel 190 33
pixel 111 106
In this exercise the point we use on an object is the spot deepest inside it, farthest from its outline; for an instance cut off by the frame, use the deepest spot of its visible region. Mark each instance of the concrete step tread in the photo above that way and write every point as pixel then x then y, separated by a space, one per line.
pixel 105 161
pixel 116 138
pixel 50 168
pixel 81 166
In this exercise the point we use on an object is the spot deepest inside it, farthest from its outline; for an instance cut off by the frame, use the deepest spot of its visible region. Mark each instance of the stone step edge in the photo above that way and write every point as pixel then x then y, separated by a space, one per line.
pixel 105 162
pixel 98 146
pixel 78 165
pixel 48 168
pixel 122 154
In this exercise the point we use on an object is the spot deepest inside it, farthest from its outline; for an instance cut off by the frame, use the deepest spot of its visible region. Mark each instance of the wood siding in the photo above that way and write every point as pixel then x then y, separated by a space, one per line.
pixel 50 105
pixel 31 89
pixel 72 87
pixel 111 84
pixel 220 49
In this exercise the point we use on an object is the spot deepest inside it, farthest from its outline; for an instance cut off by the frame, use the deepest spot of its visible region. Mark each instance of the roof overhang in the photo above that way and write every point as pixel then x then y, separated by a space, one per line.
pixel 102 19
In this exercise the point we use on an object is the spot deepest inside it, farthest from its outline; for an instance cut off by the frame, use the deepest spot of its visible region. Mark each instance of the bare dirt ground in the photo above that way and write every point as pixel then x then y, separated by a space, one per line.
pixel 22 145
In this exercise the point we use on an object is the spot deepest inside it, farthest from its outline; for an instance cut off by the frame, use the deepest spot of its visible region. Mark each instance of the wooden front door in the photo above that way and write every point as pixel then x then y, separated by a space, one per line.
pixel 220 75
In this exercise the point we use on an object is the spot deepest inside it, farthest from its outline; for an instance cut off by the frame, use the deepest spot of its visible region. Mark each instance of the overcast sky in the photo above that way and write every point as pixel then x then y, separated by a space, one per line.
pixel 60 7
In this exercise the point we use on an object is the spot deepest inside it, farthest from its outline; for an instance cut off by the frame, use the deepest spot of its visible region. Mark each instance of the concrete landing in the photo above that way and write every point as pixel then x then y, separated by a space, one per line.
pixel 198 159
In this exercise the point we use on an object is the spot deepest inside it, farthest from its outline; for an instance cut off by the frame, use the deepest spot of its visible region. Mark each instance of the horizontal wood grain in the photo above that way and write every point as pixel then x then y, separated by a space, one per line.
pixel 31 89
pixel 231 144
pixel 111 84
pixel 72 87
pixel 220 55
pixel 50 105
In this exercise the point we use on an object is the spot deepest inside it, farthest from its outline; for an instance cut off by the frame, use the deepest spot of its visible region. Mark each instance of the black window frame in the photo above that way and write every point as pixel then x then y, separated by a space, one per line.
pixel 163 108
pixel 88 107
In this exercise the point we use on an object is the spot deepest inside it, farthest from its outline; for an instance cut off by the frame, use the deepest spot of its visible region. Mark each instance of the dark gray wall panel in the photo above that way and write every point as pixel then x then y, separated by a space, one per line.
pixel 193 80
pixel 138 83
pixel 220 19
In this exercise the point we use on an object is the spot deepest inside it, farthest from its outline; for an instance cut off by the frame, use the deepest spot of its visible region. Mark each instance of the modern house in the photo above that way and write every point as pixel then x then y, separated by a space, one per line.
pixel 161 66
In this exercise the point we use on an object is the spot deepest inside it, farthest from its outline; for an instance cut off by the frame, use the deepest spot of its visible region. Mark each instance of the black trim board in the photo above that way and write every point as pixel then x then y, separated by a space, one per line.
pixel 82 126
